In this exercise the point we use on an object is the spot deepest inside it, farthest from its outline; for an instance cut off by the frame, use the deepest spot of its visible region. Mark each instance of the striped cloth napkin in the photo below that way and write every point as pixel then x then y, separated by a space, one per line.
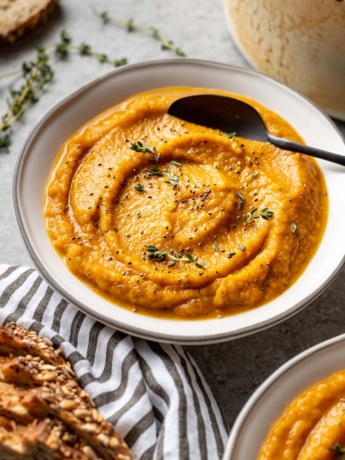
pixel 154 394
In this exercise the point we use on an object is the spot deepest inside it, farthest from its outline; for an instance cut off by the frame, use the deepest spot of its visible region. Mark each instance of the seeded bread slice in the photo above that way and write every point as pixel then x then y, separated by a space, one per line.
pixel 44 414
pixel 19 16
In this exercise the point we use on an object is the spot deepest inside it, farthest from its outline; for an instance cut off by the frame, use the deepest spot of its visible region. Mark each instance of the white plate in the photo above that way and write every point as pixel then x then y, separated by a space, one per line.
pixel 38 154
pixel 268 402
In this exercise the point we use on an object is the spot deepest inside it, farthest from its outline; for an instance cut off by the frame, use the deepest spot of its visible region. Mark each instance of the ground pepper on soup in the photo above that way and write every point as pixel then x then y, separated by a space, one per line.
pixel 175 219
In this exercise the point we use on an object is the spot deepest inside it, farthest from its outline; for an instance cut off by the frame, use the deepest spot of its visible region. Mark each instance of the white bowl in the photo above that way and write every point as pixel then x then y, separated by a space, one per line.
pixel 39 152
pixel 268 402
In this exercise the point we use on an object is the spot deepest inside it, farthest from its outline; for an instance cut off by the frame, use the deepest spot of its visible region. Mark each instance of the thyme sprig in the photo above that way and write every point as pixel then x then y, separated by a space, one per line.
pixel 130 26
pixel 142 147
pixel 251 216
pixel 242 200
pixel 229 135
pixel 35 75
pixel 155 171
pixel 172 179
pixel 339 451
pixel 145 148
pixel 175 257
pixel 139 187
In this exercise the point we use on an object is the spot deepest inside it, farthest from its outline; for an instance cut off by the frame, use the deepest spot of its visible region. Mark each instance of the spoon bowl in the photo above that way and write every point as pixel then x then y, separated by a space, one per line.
pixel 232 115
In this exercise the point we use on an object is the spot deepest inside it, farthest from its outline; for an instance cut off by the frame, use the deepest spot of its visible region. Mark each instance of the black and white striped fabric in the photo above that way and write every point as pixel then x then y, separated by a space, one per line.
pixel 154 394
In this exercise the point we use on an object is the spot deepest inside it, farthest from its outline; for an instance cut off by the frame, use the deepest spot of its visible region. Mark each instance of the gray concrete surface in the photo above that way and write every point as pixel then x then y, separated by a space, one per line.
pixel 234 369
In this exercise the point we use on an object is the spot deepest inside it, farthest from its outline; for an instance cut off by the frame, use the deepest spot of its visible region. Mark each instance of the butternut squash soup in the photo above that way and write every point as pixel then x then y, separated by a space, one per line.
pixel 173 219
pixel 312 426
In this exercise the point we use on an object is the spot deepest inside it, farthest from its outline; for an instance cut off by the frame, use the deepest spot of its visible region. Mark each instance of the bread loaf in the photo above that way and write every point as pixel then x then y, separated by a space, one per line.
pixel 19 16
pixel 44 414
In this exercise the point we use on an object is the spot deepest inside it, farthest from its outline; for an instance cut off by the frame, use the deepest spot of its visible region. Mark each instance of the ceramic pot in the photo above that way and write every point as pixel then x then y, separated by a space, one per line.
pixel 300 42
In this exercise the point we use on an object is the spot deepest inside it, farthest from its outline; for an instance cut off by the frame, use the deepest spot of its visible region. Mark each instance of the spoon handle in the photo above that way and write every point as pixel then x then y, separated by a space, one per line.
pixel 312 151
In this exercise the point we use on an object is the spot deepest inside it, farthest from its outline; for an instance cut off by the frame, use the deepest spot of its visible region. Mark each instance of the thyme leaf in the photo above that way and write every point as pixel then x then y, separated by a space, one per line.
pixel 229 135
pixel 139 187
pixel 175 257
pixel 142 147
pixel 293 227
pixel 154 253
pixel 339 450
pixel 35 75
pixel 172 179
pixel 242 200
pixel 131 26
pixel 266 214
pixel 155 171
pixel 176 163
pixel 251 216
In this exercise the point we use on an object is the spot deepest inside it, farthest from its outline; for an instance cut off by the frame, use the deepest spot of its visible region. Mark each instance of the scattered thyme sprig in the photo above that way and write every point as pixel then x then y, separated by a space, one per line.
pixel 172 179
pixel 242 200
pixel 155 171
pixel 35 76
pixel 154 253
pixel 130 26
pixel 145 148
pixel 142 147
pixel 251 216
pixel 229 135
pixel 139 187
pixel 339 450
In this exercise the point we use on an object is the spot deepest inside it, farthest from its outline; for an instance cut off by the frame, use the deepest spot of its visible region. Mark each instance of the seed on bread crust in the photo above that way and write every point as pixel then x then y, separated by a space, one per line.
pixel 44 409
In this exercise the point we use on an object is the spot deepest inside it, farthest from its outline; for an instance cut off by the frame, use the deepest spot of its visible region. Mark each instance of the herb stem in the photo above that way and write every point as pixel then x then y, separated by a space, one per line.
pixel 36 74
pixel 13 73
pixel 130 26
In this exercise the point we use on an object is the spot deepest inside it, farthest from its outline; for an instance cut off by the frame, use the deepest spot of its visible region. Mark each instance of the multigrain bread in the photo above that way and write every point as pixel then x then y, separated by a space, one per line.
pixel 44 414
pixel 19 16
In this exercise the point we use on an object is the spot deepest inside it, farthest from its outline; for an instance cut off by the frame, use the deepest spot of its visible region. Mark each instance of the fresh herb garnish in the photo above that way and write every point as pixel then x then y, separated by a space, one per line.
pixel 229 135
pixel 155 171
pixel 251 216
pixel 145 148
pixel 154 253
pixel 242 200
pixel 241 247
pixel 216 248
pixel 130 26
pixel 266 214
pixel 339 450
pixel 293 227
pixel 255 173
pixel 172 179
pixel 231 255
pixel 139 187
pixel 35 75
pixel 176 163
pixel 142 147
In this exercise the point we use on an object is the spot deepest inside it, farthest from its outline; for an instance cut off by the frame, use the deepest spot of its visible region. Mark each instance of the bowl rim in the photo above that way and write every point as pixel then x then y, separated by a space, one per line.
pixel 129 328
pixel 268 383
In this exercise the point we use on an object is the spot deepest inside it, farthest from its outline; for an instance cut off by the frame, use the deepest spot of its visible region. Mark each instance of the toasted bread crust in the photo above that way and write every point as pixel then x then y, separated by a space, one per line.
pixel 20 16
pixel 44 414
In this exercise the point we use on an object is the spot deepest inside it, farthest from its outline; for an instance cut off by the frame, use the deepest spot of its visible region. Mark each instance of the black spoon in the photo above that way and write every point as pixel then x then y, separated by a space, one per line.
pixel 232 115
